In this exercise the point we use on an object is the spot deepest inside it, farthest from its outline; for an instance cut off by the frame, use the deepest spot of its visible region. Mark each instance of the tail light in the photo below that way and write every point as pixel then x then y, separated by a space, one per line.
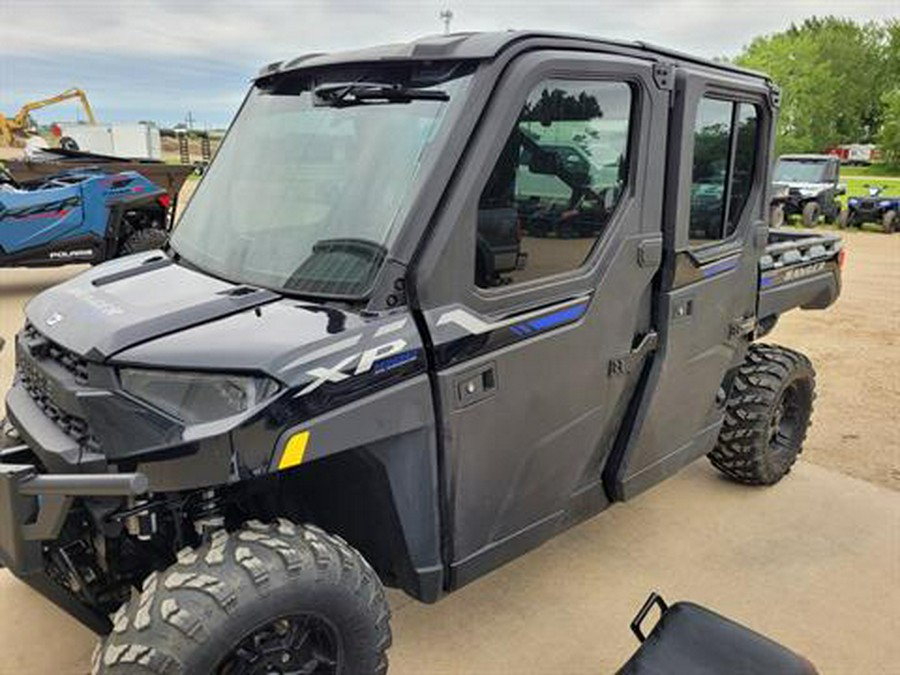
pixel 164 201
pixel 842 258
pixel 55 130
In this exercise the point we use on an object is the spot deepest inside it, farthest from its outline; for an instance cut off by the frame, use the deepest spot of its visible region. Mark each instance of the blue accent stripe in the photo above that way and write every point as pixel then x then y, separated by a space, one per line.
pixel 766 281
pixel 395 361
pixel 548 321
pixel 719 267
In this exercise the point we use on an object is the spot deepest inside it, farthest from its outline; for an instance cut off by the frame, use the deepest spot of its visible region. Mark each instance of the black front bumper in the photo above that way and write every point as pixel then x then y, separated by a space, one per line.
pixel 33 509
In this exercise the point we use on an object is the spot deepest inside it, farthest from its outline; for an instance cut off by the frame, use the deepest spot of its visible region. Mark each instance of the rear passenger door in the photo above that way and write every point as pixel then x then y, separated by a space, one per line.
pixel 536 292
pixel 715 230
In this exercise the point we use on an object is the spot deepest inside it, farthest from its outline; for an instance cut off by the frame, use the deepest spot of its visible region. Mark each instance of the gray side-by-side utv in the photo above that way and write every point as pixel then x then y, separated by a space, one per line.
pixel 431 304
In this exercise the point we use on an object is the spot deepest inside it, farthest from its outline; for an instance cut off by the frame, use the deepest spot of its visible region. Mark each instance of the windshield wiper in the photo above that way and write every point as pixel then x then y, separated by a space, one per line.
pixel 343 94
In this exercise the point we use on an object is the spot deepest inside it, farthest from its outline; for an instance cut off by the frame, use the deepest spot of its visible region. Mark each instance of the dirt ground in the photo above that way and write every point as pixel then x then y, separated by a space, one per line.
pixel 813 562
pixel 854 347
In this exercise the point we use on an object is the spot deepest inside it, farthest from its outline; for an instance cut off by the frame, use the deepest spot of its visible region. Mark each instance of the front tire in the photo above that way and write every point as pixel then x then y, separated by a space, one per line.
pixel 766 417
pixel 889 222
pixel 776 216
pixel 270 598
pixel 811 213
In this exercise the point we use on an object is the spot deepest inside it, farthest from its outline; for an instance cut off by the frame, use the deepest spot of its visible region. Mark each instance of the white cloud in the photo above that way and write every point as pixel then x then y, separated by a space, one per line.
pixel 234 31
pixel 167 56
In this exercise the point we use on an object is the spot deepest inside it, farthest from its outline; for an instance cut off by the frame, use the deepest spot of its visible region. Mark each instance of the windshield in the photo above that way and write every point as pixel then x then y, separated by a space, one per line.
pixel 800 171
pixel 307 191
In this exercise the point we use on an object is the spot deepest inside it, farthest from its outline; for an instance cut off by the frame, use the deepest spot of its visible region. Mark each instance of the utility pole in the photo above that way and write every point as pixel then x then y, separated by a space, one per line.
pixel 190 120
pixel 446 16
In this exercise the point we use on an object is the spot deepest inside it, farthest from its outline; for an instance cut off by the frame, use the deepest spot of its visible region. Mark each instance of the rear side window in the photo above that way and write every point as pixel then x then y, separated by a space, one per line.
pixel 725 146
pixel 556 183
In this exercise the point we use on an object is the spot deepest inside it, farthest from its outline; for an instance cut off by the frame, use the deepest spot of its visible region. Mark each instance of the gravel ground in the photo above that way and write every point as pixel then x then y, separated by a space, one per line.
pixel 854 348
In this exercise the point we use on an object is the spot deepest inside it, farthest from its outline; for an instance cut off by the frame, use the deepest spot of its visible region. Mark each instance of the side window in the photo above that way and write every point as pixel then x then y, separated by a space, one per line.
pixel 744 164
pixel 556 184
pixel 725 146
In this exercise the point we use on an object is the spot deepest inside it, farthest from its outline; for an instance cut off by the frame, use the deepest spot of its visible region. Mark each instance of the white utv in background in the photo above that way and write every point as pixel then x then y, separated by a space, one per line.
pixel 217 454
pixel 807 186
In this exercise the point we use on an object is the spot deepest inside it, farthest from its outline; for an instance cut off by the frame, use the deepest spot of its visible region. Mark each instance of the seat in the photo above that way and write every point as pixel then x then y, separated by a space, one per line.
pixel 691 640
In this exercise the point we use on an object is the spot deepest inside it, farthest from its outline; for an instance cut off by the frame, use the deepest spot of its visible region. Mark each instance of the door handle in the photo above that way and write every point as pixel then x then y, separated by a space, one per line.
pixel 475 385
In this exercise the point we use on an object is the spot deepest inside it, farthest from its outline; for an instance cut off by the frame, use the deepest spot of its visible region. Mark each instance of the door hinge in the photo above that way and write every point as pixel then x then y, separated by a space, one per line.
pixel 624 365
pixel 664 75
pixel 650 253
pixel 741 327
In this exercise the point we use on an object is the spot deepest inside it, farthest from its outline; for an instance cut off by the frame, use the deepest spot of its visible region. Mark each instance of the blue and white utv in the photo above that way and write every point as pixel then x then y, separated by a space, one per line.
pixel 80 216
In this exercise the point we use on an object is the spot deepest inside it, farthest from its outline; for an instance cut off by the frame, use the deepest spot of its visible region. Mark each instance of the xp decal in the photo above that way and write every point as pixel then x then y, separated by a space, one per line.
pixel 387 356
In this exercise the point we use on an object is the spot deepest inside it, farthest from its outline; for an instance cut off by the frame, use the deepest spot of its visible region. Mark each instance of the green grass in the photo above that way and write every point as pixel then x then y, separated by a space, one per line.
pixel 873 170
pixel 856 186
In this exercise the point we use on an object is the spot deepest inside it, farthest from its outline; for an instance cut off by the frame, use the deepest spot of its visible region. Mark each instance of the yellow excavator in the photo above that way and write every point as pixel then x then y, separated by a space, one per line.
pixel 18 125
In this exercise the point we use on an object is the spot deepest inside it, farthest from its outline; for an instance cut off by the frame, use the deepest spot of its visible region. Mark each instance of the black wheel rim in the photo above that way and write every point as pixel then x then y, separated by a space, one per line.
pixel 786 424
pixel 302 644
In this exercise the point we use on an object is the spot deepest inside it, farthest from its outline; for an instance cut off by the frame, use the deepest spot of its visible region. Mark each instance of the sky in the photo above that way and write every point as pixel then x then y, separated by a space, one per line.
pixel 160 59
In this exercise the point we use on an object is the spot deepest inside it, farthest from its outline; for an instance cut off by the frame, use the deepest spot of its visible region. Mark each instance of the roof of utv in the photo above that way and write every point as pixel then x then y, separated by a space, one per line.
pixel 486 46
pixel 802 157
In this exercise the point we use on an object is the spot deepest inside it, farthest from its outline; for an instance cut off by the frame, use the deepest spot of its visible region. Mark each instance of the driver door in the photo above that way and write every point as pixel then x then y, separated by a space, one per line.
pixel 536 293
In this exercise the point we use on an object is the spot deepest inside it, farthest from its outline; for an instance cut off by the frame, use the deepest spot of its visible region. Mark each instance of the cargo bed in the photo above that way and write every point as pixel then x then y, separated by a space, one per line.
pixel 799 269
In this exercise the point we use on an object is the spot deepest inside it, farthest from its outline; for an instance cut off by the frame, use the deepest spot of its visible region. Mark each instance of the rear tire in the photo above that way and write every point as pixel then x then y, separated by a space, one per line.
pixel 144 240
pixel 843 221
pixel 766 417
pixel 67 143
pixel 811 213
pixel 889 222
pixel 267 598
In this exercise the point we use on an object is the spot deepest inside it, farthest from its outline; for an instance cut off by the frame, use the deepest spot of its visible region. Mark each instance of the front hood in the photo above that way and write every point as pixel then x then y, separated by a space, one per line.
pixel 801 186
pixel 283 339
pixel 131 300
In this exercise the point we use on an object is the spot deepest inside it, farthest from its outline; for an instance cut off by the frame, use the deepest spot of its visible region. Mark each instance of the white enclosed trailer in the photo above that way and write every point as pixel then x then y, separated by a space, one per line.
pixel 138 140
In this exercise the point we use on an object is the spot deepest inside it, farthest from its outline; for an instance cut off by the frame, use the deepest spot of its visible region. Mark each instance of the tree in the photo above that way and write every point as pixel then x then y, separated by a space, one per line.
pixel 889 139
pixel 833 74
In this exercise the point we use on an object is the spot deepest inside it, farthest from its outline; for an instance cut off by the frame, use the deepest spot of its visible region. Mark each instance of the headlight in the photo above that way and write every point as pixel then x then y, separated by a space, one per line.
pixel 809 192
pixel 197 397
pixel 884 204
